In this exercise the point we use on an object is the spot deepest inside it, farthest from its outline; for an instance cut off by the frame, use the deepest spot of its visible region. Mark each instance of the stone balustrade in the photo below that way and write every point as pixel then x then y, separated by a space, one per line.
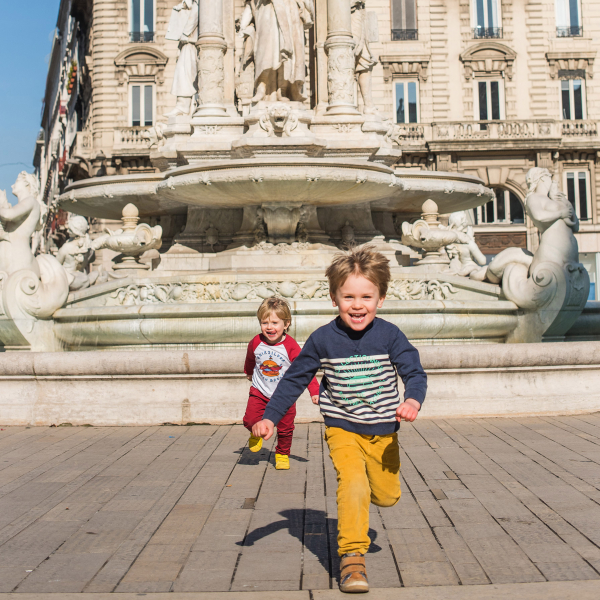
pixel 130 138
pixel 484 131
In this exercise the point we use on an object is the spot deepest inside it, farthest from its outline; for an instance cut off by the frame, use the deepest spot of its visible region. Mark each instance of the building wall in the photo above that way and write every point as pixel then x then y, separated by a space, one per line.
pixel 439 60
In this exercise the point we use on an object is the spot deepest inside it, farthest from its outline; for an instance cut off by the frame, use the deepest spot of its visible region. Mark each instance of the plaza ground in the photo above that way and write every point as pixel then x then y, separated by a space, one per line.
pixel 491 508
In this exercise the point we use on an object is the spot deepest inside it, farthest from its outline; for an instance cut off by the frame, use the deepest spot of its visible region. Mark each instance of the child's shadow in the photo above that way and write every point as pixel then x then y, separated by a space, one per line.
pixel 312 527
pixel 254 458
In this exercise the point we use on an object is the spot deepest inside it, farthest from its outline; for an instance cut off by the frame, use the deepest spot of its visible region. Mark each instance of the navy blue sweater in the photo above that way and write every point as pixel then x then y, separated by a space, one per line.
pixel 359 390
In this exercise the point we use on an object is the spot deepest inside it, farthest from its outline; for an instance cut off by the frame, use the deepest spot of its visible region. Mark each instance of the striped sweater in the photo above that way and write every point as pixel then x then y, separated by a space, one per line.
pixel 359 390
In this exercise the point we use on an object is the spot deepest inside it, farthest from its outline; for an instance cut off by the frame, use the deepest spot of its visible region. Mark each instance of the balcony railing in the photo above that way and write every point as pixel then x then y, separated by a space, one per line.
pixel 83 144
pixel 495 130
pixel 399 35
pixel 569 31
pixel 130 138
pixel 573 129
pixel 141 36
pixel 487 33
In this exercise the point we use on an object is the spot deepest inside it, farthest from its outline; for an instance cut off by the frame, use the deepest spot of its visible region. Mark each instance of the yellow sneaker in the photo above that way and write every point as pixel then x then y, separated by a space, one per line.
pixel 282 462
pixel 255 443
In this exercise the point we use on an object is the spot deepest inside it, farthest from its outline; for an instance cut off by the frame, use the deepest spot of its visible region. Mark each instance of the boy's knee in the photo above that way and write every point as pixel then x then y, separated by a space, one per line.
pixel 386 501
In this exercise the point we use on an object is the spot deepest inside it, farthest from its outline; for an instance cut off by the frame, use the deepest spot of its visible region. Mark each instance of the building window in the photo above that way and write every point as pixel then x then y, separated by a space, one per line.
pixel 142 21
pixel 486 19
pixel 568 18
pixel 489 101
pixel 572 96
pixel 506 208
pixel 404 20
pixel 142 105
pixel 578 193
pixel 406 101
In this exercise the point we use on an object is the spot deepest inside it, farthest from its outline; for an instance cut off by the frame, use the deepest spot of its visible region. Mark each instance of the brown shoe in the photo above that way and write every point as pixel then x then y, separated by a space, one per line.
pixel 353 574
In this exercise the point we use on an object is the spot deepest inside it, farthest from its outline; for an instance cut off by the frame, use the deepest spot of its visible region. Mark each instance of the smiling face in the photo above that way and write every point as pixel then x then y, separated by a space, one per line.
pixel 357 301
pixel 273 328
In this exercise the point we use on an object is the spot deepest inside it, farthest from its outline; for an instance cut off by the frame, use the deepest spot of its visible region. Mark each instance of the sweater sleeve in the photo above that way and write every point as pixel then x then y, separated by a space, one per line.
pixel 405 357
pixel 293 350
pixel 250 358
pixel 294 382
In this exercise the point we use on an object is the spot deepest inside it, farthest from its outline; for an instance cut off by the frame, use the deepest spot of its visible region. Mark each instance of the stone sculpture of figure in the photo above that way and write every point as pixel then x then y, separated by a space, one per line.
pixel 365 58
pixel 183 28
pixel 554 216
pixel 279 47
pixel 19 224
pixel 551 286
pixel 244 64
pixel 466 259
pixel 78 253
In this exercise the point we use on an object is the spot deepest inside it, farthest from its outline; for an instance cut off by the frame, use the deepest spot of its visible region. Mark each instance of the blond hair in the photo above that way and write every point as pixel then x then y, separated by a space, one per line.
pixel 275 305
pixel 364 261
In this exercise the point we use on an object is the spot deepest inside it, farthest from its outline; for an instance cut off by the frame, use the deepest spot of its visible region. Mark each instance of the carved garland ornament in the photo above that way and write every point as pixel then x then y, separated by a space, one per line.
pixel 192 293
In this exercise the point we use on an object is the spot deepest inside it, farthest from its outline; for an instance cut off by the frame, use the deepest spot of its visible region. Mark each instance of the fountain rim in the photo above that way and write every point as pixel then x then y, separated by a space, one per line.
pixel 265 163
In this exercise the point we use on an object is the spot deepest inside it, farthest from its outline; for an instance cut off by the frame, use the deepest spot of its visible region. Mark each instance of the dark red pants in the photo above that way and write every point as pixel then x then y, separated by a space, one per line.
pixel 285 429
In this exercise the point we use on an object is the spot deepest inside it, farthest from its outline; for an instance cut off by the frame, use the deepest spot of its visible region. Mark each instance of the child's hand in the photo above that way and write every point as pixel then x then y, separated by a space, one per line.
pixel 249 377
pixel 263 429
pixel 315 399
pixel 408 410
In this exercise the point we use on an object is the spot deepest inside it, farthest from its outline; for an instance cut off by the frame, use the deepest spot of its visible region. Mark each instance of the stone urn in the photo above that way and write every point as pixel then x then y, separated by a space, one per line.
pixel 430 235
pixel 133 240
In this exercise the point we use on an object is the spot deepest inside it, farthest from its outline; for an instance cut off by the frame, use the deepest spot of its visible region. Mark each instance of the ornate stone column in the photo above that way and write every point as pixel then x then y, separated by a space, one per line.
pixel 340 51
pixel 211 64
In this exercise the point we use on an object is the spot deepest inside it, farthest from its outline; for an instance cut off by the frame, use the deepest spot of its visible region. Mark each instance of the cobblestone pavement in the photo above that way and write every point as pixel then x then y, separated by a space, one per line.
pixel 486 502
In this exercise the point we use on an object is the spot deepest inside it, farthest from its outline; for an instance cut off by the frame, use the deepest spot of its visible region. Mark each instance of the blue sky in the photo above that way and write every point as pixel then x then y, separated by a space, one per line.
pixel 25 44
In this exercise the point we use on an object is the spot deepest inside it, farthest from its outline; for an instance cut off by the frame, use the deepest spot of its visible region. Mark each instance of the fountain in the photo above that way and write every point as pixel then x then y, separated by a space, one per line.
pixel 271 189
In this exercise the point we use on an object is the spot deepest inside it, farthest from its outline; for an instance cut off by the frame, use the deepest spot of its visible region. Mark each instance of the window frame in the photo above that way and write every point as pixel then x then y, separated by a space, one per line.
pixel 588 203
pixel 142 12
pixel 414 33
pixel 142 85
pixel 501 97
pixel 478 212
pixel 474 24
pixel 572 99
pixel 405 81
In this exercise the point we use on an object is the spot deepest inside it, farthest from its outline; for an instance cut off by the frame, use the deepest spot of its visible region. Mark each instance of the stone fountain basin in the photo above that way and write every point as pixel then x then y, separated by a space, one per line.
pixel 245 182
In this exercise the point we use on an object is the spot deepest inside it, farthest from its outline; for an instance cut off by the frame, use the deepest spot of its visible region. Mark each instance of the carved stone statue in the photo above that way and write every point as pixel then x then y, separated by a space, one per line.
pixel 466 259
pixel 551 286
pixel 365 58
pixel 19 223
pixel 31 288
pixel 279 46
pixel 78 253
pixel 183 28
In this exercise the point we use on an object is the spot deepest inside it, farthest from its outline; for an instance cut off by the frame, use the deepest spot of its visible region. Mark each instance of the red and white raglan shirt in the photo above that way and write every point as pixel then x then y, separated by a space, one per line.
pixel 267 364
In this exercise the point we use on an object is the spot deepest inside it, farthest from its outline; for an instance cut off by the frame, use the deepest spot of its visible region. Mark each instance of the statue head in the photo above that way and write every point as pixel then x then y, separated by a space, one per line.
pixel 77 226
pixel 535 176
pixel 26 185
pixel 458 220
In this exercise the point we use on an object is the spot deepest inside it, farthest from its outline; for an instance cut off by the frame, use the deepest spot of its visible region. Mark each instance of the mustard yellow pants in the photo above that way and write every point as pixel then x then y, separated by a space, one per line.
pixel 368 470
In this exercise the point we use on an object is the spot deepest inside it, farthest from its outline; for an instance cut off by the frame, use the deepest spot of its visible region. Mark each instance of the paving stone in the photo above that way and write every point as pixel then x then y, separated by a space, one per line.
pixel 209 571
pixel 63 573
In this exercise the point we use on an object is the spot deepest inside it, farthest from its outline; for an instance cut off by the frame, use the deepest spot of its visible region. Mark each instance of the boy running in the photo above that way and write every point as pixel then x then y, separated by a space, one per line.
pixel 268 358
pixel 361 356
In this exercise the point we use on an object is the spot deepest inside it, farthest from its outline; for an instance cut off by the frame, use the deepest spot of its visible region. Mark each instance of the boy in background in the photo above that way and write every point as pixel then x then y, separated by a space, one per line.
pixel 361 356
pixel 269 356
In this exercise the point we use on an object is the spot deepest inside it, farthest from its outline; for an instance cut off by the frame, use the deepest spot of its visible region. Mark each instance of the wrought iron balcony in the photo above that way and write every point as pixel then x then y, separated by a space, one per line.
pixel 404 34
pixel 141 36
pixel 569 31
pixel 487 33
